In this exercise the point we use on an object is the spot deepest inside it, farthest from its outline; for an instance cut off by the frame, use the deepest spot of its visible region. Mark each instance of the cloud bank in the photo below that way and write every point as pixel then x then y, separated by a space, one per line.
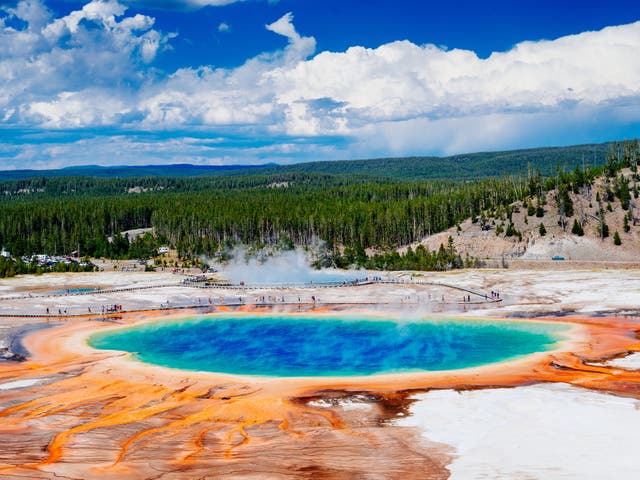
pixel 178 4
pixel 94 69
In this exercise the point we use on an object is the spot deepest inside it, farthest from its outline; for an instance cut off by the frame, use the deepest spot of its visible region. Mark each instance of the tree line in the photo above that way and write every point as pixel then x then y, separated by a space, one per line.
pixel 206 215
pixel 369 214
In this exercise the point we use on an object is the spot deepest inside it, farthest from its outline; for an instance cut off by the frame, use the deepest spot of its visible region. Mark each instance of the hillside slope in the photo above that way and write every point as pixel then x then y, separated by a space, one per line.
pixel 460 167
pixel 487 242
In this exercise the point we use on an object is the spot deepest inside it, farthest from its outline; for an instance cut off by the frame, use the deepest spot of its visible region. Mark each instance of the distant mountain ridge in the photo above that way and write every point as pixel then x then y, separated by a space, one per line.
pixel 125 171
pixel 461 167
pixel 456 167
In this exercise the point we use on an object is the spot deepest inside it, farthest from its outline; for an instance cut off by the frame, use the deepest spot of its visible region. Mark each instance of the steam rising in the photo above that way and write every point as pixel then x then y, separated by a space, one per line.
pixel 287 267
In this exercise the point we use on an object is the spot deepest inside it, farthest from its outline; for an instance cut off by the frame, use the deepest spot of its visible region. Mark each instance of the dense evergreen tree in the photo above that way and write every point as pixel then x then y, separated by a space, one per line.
pixel 565 204
pixel 577 228
pixel 622 192
pixel 530 209
pixel 603 230
pixel 616 238
pixel 542 230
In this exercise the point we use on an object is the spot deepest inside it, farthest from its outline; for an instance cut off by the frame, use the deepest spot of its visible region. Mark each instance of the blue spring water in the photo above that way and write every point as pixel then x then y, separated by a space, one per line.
pixel 286 346
pixel 71 291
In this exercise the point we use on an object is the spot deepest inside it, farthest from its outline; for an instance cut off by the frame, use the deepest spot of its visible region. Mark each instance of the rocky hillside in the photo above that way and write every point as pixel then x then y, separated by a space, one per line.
pixel 561 222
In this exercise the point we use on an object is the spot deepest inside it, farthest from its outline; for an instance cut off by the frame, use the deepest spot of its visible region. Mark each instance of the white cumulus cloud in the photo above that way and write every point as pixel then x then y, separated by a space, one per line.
pixel 94 68
pixel 101 11
pixel 299 47
pixel 284 26
pixel 74 71
pixel 402 80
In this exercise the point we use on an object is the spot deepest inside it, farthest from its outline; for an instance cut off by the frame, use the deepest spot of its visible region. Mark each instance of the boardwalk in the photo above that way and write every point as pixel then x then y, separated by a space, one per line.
pixel 238 295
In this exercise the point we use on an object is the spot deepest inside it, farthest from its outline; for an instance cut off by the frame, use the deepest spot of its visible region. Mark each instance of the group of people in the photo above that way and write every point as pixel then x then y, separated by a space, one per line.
pixel 270 299
pixel 60 311
pixel 280 299
pixel 105 309
pixel 111 308
pixel 494 295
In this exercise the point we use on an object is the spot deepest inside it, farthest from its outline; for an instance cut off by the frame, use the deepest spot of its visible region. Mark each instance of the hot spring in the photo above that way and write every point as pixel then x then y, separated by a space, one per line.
pixel 310 345
pixel 73 291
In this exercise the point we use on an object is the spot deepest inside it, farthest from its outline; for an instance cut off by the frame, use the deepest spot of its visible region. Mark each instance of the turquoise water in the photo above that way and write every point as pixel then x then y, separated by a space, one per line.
pixel 322 346
pixel 70 291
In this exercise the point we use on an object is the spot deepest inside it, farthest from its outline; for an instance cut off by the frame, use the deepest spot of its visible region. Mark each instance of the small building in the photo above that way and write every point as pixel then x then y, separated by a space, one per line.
pixel 4 253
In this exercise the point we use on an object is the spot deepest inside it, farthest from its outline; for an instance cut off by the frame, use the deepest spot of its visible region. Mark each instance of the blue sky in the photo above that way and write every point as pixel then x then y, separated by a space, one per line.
pixel 255 81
